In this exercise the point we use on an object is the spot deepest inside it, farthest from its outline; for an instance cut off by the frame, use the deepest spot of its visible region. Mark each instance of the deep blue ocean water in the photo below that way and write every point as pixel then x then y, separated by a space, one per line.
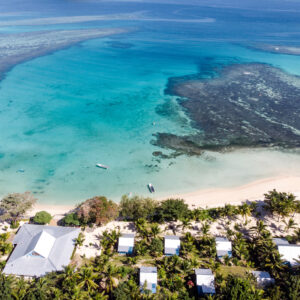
pixel 96 102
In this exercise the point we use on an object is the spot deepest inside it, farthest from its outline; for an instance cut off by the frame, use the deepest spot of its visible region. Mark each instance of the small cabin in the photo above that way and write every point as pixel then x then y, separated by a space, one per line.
pixel 263 278
pixel 280 241
pixel 172 245
pixel 126 244
pixel 148 277
pixel 205 281
pixel 290 252
pixel 224 247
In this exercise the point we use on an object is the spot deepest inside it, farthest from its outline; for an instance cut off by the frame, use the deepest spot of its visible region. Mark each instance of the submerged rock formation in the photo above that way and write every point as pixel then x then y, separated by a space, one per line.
pixel 247 105
pixel 19 47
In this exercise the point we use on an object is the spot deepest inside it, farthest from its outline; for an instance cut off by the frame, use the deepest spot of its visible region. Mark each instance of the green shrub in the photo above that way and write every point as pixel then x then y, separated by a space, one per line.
pixel 14 224
pixel 173 210
pixel 137 207
pixel 42 217
pixel 156 247
pixel 71 220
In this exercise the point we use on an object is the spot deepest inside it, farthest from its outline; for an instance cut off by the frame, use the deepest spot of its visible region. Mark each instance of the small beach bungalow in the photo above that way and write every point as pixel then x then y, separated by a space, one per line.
pixel 263 278
pixel 290 252
pixel 280 241
pixel 41 249
pixel 205 281
pixel 224 247
pixel 172 245
pixel 148 277
pixel 126 243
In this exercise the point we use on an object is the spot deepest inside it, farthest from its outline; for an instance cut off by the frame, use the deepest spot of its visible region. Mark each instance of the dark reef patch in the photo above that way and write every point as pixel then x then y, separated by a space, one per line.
pixel 246 105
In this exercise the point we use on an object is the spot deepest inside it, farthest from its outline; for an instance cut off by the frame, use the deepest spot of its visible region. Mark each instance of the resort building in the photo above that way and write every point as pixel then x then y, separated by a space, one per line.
pixel 41 249
pixel 280 241
pixel 290 252
pixel 148 278
pixel 172 245
pixel 263 278
pixel 126 244
pixel 205 281
pixel 224 247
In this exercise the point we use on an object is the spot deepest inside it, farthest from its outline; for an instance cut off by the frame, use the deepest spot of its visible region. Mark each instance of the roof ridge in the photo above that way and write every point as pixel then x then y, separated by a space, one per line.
pixel 26 225
pixel 51 262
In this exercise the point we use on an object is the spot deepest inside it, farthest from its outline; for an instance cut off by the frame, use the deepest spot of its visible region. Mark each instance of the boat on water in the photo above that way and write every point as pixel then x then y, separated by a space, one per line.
pixel 102 166
pixel 151 188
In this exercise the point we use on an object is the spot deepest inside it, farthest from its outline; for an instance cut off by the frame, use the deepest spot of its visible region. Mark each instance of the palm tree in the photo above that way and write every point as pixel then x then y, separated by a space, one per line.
pixel 110 274
pixel 68 277
pixel 245 211
pixel 100 296
pixel 80 240
pixel 290 224
pixel 141 226
pixel 205 228
pixel 86 277
pixel 185 223
pixel 260 228
pixel 155 230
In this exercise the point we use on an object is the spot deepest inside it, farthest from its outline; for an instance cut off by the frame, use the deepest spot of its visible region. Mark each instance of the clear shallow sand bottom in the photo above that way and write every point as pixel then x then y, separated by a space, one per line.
pixel 96 103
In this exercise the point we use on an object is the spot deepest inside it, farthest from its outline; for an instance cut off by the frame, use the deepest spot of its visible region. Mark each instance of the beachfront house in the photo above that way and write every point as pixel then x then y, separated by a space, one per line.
pixel 126 243
pixel 205 281
pixel 148 278
pixel 263 278
pixel 290 253
pixel 172 245
pixel 41 249
pixel 224 247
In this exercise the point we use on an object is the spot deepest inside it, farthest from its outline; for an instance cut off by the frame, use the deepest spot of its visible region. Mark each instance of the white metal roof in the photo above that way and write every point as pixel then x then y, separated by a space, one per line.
pixel 35 255
pixel 172 243
pixel 43 245
pixel 290 253
pixel 148 274
pixel 224 245
pixel 126 241
pixel 205 279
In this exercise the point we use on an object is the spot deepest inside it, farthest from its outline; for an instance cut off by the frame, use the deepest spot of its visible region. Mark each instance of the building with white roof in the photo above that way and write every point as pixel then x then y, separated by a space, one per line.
pixel 280 241
pixel 126 244
pixel 205 281
pixel 41 249
pixel 148 277
pixel 263 278
pixel 224 247
pixel 172 245
pixel 290 253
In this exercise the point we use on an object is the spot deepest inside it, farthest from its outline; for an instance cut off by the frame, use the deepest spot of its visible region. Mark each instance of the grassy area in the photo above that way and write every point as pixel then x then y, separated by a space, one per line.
pixel 234 270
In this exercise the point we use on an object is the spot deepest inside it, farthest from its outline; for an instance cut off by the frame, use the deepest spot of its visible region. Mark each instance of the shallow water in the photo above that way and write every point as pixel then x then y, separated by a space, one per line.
pixel 97 102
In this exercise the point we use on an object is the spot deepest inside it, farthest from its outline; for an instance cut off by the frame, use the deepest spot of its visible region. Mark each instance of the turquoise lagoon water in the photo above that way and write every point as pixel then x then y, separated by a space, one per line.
pixel 98 102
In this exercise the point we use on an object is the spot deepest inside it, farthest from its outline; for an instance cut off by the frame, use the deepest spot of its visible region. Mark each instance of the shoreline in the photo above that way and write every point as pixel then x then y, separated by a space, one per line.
pixel 252 191
pixel 213 197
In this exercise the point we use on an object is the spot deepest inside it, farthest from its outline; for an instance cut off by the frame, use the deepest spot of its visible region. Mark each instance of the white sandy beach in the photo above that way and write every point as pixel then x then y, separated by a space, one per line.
pixel 212 197
pixel 236 195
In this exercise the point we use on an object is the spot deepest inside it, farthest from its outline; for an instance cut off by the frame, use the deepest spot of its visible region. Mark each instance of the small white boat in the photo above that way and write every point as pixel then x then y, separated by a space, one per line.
pixel 151 188
pixel 102 166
